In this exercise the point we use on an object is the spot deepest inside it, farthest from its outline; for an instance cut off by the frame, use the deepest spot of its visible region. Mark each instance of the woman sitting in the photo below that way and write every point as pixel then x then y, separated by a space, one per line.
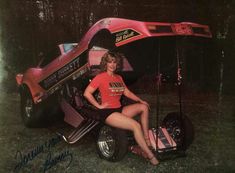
pixel 111 87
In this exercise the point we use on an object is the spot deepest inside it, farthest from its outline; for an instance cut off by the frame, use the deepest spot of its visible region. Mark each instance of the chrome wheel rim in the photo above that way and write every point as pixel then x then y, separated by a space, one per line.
pixel 175 131
pixel 106 142
pixel 28 107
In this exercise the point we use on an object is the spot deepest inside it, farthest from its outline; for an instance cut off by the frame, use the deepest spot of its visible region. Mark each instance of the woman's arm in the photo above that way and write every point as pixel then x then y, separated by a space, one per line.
pixel 88 94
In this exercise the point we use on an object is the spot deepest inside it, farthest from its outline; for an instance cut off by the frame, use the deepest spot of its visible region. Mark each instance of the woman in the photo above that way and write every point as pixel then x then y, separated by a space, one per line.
pixel 112 87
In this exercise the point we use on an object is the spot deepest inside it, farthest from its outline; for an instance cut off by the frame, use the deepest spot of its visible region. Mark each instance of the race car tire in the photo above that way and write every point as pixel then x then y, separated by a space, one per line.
pixel 180 128
pixel 33 115
pixel 112 143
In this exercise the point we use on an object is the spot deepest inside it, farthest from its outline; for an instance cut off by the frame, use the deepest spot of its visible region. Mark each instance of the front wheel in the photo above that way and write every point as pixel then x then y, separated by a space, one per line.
pixel 112 143
pixel 180 128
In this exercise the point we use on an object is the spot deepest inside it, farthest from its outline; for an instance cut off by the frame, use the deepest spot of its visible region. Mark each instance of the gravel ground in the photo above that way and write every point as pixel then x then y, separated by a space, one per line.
pixel 27 150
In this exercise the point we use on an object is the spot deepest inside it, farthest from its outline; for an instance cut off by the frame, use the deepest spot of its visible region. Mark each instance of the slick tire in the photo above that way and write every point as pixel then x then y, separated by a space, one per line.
pixel 112 143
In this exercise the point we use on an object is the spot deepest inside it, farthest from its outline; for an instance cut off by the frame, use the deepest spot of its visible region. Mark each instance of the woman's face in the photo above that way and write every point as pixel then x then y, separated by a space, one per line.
pixel 111 65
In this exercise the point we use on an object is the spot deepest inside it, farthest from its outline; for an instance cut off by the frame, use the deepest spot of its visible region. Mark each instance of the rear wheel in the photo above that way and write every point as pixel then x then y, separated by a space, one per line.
pixel 112 143
pixel 180 128
pixel 37 115
pixel 30 112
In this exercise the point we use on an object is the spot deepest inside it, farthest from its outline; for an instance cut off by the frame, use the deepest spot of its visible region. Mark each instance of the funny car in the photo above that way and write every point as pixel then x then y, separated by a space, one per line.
pixel 47 90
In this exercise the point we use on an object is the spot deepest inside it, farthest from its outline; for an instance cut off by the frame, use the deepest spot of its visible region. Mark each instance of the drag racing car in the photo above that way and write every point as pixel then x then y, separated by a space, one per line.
pixel 47 90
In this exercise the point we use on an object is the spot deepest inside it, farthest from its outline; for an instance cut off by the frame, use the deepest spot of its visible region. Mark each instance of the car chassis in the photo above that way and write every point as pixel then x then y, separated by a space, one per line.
pixel 60 84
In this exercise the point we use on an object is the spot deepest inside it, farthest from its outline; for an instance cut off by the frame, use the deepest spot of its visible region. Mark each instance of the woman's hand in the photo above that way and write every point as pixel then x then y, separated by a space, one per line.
pixel 145 103
pixel 103 106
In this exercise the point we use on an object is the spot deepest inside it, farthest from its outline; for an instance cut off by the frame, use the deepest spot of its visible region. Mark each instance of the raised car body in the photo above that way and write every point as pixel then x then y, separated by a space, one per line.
pixel 73 62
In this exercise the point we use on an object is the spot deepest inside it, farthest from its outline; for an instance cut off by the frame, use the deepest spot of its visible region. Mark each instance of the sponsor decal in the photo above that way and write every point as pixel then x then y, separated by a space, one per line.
pixel 183 29
pixel 125 35
pixel 62 73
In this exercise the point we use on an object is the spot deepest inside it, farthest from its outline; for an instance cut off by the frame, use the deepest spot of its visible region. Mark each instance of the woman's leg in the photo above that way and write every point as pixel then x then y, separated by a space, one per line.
pixel 142 109
pixel 120 121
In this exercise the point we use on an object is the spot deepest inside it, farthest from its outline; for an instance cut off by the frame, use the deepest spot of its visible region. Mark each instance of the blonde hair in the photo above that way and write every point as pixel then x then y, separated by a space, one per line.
pixel 118 57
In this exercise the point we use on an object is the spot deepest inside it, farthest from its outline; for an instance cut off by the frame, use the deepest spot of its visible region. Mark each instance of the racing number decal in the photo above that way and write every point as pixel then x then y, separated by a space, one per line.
pixel 125 35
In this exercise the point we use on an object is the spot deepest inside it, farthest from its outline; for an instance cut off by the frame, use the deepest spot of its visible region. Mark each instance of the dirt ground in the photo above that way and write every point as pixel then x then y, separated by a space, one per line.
pixel 27 150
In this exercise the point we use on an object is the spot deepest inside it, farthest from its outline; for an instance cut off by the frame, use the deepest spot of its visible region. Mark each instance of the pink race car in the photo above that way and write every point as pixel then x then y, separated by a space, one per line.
pixel 59 85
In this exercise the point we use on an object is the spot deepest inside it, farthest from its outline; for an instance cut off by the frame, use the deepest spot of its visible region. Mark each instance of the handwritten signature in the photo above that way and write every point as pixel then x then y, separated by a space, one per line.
pixel 24 159
pixel 52 161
